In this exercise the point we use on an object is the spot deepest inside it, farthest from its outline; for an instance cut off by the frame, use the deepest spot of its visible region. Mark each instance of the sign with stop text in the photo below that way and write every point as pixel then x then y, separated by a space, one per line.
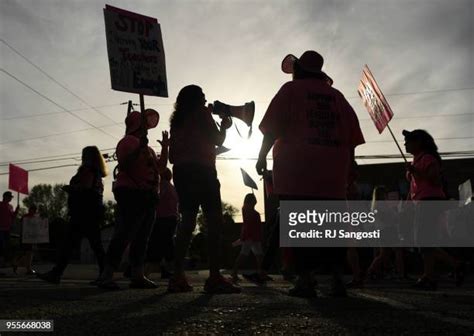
pixel 135 52
pixel 374 100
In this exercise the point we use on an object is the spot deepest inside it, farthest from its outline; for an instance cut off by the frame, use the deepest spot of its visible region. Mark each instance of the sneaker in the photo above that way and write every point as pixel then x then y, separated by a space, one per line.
pixel 248 276
pixel 143 283
pixel 236 278
pixel 50 277
pixel 266 277
pixel 425 284
pixel 220 285
pixel 255 278
pixel 288 276
pixel 179 284
pixel 260 279
pixel 302 291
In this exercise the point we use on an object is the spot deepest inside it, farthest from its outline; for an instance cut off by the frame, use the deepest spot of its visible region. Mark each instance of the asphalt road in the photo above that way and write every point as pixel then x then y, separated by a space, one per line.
pixel 386 308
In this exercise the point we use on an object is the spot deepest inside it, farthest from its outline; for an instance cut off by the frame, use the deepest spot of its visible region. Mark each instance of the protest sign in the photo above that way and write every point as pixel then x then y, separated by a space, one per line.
pixel 248 181
pixel 18 179
pixel 376 104
pixel 374 100
pixel 35 230
pixel 135 52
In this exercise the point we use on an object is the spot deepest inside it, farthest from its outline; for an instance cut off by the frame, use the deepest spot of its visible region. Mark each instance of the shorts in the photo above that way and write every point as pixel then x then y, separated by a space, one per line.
pixel 197 185
pixel 255 247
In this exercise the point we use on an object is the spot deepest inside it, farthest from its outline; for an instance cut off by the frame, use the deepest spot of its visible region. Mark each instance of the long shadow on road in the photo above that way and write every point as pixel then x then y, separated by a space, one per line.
pixel 88 311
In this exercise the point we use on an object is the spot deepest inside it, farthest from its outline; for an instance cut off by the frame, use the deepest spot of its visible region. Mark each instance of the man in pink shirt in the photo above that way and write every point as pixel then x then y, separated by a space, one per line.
pixel 7 218
pixel 313 131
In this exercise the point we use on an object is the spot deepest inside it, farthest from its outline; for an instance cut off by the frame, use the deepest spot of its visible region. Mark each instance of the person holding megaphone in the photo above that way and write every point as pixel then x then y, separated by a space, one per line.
pixel 193 139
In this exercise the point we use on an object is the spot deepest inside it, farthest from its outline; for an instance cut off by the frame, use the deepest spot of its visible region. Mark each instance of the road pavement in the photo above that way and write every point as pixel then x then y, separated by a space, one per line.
pixel 385 308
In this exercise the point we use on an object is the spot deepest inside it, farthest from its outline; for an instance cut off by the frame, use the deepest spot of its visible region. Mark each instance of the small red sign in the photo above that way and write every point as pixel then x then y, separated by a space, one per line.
pixel 18 179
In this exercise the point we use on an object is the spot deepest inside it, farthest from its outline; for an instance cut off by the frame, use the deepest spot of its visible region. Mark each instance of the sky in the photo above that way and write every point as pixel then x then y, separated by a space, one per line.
pixel 421 53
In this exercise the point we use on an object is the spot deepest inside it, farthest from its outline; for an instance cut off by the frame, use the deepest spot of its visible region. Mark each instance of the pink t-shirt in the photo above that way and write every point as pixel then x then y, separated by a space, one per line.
pixel 7 216
pixel 252 226
pixel 420 186
pixel 192 142
pixel 315 130
pixel 142 172
pixel 168 203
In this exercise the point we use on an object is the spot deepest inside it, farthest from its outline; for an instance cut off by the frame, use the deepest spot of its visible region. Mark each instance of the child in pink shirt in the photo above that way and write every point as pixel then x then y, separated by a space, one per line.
pixel 426 184
pixel 251 236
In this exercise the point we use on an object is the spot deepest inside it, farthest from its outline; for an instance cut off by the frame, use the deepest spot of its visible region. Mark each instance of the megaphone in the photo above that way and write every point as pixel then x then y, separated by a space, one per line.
pixel 243 112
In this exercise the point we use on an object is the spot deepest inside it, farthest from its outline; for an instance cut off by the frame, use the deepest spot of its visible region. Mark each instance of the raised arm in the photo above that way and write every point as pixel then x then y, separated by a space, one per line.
pixel 163 160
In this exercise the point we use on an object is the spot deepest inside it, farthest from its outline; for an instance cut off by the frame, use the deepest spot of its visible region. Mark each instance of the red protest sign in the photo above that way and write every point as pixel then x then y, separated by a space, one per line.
pixel 18 179
pixel 374 100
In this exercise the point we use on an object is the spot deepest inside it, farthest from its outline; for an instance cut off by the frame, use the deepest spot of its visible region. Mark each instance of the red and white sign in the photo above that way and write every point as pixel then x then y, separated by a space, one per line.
pixel 18 179
pixel 135 51
pixel 374 100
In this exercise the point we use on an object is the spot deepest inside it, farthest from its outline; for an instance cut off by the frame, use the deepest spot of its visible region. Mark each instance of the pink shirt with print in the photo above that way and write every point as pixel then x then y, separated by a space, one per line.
pixel 142 172
pixel 315 129
pixel 420 186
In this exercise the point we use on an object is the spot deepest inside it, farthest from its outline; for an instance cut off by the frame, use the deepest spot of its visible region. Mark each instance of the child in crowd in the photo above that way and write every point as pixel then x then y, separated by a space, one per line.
pixel 426 184
pixel 251 237
pixel 161 242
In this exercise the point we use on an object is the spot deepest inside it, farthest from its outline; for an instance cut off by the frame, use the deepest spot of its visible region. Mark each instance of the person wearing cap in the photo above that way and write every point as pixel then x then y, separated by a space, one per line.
pixel 136 192
pixel 86 213
pixel 193 141
pixel 7 218
pixel 427 184
pixel 313 131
